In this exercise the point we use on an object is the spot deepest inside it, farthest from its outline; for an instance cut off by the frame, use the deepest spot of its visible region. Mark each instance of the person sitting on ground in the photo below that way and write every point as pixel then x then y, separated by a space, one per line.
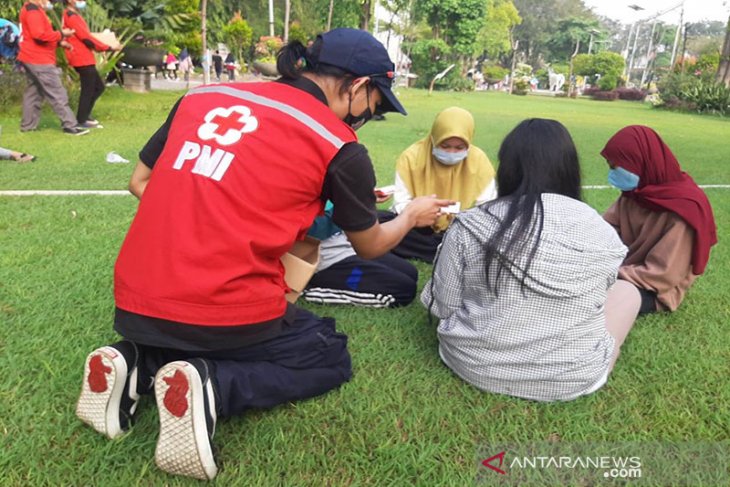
pixel 662 216
pixel 525 285
pixel 445 163
pixel 10 155
pixel 342 277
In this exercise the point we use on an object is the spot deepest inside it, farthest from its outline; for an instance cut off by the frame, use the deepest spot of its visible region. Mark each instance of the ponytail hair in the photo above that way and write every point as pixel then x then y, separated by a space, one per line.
pixel 291 60
pixel 294 59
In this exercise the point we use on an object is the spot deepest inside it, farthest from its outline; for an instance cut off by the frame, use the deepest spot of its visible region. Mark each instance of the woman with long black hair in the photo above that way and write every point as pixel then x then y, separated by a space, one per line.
pixel 525 285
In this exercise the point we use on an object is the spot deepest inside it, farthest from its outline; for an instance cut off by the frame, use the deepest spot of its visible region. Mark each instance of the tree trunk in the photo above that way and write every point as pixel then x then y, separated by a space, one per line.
pixel 203 33
pixel 287 10
pixel 329 15
pixel 723 71
pixel 365 18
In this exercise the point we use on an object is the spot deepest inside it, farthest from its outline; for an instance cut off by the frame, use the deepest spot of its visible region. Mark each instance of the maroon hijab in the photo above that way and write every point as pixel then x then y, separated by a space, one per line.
pixel 663 186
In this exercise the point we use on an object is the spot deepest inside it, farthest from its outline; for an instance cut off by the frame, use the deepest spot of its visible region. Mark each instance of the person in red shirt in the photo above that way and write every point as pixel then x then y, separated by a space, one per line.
pixel 37 55
pixel 81 57
pixel 232 179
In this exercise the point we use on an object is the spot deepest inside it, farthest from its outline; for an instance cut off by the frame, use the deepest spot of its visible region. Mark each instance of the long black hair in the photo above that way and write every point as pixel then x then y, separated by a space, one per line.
pixel 538 156
pixel 294 59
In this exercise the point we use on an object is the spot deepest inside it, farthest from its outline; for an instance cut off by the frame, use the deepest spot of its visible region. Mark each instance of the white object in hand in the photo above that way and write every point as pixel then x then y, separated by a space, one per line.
pixel 455 208
pixel 114 158
pixel 390 189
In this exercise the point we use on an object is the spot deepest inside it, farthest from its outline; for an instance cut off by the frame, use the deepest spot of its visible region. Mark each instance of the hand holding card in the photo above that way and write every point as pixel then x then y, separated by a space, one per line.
pixel 452 209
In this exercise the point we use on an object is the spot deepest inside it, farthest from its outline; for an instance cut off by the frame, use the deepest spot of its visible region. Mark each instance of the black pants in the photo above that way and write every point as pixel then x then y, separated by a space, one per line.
pixel 383 282
pixel 92 87
pixel 419 243
pixel 307 359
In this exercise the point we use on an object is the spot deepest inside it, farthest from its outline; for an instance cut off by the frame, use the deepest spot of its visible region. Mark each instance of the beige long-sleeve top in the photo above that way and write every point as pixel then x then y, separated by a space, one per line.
pixel 660 250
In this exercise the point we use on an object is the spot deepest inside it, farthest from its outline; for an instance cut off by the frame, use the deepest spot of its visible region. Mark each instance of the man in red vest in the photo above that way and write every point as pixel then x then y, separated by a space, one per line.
pixel 231 180
pixel 38 44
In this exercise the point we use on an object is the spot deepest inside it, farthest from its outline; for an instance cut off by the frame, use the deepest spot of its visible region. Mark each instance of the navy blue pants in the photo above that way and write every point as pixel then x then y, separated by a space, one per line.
pixel 383 282
pixel 307 359
pixel 419 243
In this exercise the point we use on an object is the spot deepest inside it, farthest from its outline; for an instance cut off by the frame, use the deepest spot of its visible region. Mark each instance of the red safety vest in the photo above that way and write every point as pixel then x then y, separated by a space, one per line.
pixel 237 183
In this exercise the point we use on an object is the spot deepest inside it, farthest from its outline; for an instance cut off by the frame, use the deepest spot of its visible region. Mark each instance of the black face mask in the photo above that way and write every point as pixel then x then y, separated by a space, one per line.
pixel 357 122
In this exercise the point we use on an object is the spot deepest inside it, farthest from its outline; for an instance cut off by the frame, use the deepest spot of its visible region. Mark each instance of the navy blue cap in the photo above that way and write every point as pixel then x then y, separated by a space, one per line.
pixel 358 52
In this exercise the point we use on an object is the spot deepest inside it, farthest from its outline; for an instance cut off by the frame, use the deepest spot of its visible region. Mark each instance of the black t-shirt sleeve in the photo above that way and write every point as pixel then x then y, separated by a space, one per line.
pixel 153 148
pixel 349 184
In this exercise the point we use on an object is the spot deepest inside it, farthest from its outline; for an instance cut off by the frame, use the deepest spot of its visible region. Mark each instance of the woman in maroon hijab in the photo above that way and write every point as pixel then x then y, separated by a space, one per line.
pixel 662 216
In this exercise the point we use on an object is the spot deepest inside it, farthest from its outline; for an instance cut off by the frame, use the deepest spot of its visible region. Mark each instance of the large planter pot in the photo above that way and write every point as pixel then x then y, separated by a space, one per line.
pixel 267 69
pixel 140 57
pixel 138 80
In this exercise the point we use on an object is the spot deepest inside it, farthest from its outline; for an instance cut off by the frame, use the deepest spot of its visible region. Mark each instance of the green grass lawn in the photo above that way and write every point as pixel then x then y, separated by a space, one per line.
pixel 404 418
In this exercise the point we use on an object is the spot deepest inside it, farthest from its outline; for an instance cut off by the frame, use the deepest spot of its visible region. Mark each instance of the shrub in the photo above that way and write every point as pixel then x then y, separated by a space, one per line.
pixel 494 73
pixel 608 82
pixel 520 87
pixel 605 95
pixel 708 97
pixel 632 94
pixel 12 86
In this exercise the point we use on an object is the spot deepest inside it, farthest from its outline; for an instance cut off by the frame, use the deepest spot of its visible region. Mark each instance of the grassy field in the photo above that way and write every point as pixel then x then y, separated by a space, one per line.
pixel 404 419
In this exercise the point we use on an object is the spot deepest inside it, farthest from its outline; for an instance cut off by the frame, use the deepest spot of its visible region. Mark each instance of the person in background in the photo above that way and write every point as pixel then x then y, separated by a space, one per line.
pixel 186 64
pixel 343 277
pixel 81 57
pixel 662 215
pixel 445 163
pixel 199 286
pixel 9 39
pixel 38 42
pixel 171 65
pixel 525 285
pixel 230 65
pixel 217 65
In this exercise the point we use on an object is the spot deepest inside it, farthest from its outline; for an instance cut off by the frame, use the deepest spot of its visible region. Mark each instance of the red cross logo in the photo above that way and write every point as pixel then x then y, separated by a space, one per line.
pixel 226 125
pixel 229 122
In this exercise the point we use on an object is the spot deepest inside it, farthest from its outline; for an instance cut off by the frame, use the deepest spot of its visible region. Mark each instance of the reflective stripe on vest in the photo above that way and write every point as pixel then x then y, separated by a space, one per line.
pixel 298 115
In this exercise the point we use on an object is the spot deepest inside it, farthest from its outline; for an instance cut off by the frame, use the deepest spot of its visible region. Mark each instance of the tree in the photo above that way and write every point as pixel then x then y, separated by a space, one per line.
pixel 500 21
pixel 723 71
pixel 238 34
pixel 540 21
pixel 561 44
pixel 457 22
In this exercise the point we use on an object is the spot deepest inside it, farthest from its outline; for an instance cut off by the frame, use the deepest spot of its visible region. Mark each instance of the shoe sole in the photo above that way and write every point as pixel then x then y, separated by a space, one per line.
pixel 76 134
pixel 100 409
pixel 183 447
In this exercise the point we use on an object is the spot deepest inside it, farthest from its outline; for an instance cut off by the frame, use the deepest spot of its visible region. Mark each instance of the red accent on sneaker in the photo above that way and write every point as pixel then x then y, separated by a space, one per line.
pixel 175 398
pixel 97 374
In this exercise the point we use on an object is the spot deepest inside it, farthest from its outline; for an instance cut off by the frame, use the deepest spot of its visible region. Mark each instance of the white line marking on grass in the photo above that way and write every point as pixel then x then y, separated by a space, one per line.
pixel 104 192
pixel 84 192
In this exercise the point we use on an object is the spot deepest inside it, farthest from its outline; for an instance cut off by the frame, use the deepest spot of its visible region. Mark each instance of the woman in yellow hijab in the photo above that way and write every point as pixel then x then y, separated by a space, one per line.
pixel 447 164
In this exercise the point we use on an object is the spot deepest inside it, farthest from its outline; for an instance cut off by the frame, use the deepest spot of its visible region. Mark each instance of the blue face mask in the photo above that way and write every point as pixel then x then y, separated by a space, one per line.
pixel 623 179
pixel 80 5
pixel 449 158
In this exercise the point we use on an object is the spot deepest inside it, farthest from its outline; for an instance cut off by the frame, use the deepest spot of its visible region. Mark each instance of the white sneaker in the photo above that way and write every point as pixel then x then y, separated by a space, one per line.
pixel 109 395
pixel 186 404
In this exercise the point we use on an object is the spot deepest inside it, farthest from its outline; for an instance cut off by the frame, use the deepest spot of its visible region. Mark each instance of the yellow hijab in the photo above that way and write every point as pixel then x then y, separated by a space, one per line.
pixel 423 175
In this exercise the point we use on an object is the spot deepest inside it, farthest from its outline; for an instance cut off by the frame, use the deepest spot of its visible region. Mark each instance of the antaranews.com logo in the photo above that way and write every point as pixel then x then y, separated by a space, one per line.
pixel 564 463
pixel 612 467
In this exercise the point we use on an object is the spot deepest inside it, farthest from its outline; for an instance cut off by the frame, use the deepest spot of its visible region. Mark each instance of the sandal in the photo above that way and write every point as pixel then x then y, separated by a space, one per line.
pixel 22 158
